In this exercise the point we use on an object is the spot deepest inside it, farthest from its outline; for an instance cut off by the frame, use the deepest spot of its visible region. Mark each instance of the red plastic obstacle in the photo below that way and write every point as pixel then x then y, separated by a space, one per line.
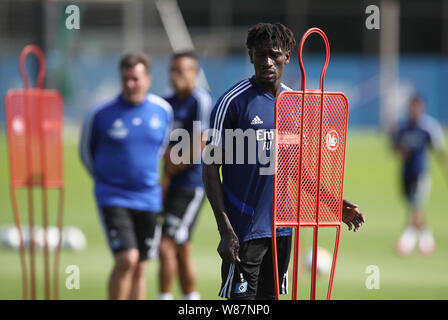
pixel 311 131
pixel 34 130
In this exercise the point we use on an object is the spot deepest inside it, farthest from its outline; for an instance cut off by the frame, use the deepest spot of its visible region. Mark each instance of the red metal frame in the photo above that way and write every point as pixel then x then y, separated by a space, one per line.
pixel 40 112
pixel 303 100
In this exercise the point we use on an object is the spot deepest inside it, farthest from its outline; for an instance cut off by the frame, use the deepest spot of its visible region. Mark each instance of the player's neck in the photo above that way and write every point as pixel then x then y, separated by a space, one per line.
pixel 273 89
pixel 133 102
pixel 182 95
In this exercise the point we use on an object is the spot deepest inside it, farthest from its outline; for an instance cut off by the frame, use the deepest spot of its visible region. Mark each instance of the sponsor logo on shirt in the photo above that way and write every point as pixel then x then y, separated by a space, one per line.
pixel 155 122
pixel 118 131
pixel 256 120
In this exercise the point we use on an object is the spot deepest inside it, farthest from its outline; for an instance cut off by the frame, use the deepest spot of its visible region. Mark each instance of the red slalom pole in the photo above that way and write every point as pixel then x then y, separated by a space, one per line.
pixel 311 132
pixel 34 128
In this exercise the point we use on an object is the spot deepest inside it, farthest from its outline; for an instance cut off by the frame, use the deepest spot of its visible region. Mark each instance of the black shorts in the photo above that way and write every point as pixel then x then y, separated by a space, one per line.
pixel 253 277
pixel 128 229
pixel 181 211
pixel 416 189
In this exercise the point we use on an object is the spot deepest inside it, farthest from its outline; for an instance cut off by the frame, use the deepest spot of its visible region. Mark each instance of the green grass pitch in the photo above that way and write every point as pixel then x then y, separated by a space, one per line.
pixel 371 181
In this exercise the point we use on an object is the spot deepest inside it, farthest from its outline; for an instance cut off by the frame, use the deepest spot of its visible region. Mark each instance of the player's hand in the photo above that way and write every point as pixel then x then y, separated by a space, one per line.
pixel 403 152
pixel 351 216
pixel 229 247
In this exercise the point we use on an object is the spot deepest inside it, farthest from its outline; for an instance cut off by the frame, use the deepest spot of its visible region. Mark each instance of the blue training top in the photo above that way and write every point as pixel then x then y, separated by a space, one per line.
pixel 196 107
pixel 416 138
pixel 247 189
pixel 121 147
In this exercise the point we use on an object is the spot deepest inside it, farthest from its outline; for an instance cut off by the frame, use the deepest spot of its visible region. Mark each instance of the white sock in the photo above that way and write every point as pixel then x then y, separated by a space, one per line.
pixel 192 296
pixel 165 296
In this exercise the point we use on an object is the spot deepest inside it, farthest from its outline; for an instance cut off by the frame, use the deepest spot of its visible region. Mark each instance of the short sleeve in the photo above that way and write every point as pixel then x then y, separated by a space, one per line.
pixel 436 137
pixel 221 119
pixel 204 107
pixel 88 141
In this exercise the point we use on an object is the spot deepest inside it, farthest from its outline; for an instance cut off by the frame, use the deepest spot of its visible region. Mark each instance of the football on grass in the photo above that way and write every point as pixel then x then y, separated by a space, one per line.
pixel 324 260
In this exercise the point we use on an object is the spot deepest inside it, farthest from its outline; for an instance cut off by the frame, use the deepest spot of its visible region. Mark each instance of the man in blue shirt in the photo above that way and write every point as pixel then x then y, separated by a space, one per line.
pixel 122 143
pixel 412 140
pixel 242 201
pixel 182 182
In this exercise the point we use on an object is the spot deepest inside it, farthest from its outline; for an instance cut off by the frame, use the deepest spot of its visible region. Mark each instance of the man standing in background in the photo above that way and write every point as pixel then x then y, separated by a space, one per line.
pixel 122 144
pixel 411 142
pixel 182 183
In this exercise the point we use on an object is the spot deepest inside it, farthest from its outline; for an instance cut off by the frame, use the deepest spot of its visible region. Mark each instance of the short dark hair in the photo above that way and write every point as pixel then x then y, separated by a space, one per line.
pixel 274 35
pixel 131 59
pixel 416 98
pixel 185 54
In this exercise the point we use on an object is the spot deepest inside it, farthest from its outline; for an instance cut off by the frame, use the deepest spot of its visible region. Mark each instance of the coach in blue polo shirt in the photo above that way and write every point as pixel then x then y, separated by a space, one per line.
pixel 122 143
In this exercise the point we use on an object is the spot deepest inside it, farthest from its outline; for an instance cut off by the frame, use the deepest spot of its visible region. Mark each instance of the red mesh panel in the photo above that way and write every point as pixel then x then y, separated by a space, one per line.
pixel 290 158
pixel 36 115
pixel 288 148
pixel 333 142
pixel 310 153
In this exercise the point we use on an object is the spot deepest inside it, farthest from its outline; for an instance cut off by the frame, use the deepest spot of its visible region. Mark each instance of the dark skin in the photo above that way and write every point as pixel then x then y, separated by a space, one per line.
pixel 268 66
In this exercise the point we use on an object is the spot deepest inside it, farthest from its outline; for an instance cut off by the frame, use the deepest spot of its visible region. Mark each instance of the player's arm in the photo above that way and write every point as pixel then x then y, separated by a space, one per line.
pixel 351 215
pixel 437 143
pixel 397 145
pixel 87 146
pixel 203 116
pixel 172 169
pixel 229 245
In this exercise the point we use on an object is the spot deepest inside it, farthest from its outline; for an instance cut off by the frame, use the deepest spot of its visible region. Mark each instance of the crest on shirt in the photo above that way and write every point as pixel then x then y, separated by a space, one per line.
pixel 137 121
pixel 118 131
pixel 155 122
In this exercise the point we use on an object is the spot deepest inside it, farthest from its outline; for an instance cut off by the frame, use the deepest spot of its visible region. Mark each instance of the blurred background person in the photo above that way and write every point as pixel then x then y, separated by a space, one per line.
pixel 182 183
pixel 413 138
pixel 122 143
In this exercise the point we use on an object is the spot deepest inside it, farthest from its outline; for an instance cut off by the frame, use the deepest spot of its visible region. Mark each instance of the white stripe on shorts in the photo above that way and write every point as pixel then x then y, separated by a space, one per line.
pixel 227 288
pixel 153 252
pixel 284 289
pixel 181 235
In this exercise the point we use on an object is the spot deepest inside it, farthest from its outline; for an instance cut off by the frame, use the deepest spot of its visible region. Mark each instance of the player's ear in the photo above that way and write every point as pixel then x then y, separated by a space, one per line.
pixel 287 56
pixel 149 80
pixel 250 52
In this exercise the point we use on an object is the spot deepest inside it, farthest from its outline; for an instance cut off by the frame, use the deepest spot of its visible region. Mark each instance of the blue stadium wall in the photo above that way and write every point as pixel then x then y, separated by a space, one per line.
pixel 87 80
